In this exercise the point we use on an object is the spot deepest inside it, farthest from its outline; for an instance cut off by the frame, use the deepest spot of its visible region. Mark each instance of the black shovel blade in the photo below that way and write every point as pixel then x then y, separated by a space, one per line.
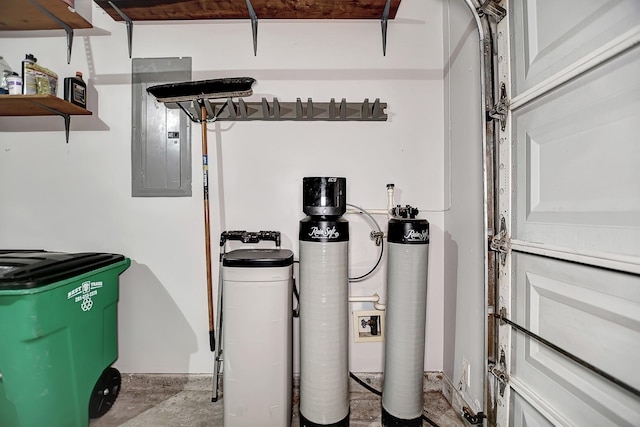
pixel 203 89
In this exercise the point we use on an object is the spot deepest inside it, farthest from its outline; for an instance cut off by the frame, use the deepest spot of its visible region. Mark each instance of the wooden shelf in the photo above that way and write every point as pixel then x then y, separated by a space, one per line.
pixel 33 105
pixel 18 15
pixel 130 11
pixel 41 105
pixel 163 10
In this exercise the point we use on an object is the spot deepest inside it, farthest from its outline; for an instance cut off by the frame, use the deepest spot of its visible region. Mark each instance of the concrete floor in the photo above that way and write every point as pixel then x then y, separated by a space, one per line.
pixel 178 400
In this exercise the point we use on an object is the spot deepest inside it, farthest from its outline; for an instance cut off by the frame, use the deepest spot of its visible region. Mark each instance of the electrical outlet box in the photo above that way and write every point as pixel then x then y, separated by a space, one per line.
pixel 368 325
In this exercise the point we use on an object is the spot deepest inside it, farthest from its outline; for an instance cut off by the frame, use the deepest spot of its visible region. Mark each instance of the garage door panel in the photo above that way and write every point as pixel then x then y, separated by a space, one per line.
pixel 578 183
pixel 592 313
pixel 569 195
pixel 575 395
pixel 550 36
pixel 525 415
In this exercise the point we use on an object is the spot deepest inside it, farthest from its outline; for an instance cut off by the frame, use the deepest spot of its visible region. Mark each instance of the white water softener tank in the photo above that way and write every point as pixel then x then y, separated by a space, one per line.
pixel 324 284
pixel 257 286
pixel 407 269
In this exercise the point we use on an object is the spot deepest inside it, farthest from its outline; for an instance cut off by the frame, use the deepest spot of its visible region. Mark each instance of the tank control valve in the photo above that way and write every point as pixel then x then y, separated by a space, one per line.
pixel 407 211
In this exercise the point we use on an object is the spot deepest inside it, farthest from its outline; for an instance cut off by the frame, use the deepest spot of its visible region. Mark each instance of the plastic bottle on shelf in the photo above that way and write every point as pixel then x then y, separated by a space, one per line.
pixel 5 71
pixel 29 84
pixel 14 84
pixel 75 90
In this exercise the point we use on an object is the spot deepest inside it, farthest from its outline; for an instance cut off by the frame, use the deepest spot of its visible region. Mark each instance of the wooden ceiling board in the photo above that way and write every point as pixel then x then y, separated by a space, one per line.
pixel 162 10
pixel 23 15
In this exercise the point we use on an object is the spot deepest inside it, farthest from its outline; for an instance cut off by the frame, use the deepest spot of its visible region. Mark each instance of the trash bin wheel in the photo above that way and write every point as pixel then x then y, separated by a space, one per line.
pixel 105 392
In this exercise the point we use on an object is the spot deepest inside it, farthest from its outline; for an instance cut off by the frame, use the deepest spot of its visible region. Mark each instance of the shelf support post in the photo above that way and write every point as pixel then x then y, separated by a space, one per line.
pixel 384 23
pixel 127 21
pixel 254 26
pixel 62 24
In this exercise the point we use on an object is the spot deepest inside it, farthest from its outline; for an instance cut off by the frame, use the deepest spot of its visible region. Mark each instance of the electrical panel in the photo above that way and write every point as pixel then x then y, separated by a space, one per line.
pixel 160 137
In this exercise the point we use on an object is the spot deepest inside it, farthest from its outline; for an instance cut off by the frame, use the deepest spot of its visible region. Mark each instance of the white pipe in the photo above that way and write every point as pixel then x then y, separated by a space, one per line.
pixel 375 299
pixel 371 211
pixel 390 205
pixel 390 202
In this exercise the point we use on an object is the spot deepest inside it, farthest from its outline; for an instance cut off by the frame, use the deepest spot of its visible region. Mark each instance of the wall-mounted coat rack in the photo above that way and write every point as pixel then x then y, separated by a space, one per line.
pixel 240 110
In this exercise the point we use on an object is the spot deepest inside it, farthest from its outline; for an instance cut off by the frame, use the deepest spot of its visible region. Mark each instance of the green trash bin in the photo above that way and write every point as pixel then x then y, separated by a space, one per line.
pixel 58 337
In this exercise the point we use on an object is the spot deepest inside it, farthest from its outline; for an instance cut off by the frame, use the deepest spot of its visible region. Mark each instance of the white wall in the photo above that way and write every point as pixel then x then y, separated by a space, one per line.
pixel 464 299
pixel 77 197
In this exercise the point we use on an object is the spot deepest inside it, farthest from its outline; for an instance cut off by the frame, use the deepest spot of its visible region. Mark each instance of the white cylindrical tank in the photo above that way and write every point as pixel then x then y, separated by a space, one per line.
pixel 407 269
pixel 324 322
pixel 257 337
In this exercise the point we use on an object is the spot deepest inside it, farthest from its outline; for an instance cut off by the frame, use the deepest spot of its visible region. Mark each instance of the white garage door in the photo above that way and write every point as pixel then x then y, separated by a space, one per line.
pixel 569 193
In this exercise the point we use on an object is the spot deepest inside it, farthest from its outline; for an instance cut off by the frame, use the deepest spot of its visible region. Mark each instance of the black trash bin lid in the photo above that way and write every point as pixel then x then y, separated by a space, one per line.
pixel 27 270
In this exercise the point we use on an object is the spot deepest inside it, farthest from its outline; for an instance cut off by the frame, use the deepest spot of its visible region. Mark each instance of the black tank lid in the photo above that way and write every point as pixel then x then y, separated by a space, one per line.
pixel 26 269
pixel 409 231
pixel 258 258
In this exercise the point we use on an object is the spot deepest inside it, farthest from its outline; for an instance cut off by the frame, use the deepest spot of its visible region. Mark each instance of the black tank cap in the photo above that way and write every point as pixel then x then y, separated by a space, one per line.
pixel 317 229
pixel 408 231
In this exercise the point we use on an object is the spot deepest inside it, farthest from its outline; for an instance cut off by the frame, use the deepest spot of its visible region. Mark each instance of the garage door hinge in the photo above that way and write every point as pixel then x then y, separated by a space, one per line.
pixel 500 242
pixel 489 7
pixel 500 372
pixel 499 111
pixel 471 417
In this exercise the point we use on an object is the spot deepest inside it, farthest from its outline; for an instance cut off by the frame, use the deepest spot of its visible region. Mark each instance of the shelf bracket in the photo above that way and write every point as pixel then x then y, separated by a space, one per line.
pixel 65 116
pixel 384 23
pixel 254 26
pixel 62 24
pixel 127 21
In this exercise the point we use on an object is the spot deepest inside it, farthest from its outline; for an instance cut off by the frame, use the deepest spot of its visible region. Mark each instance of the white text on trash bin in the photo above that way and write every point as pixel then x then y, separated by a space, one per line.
pixel 83 294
